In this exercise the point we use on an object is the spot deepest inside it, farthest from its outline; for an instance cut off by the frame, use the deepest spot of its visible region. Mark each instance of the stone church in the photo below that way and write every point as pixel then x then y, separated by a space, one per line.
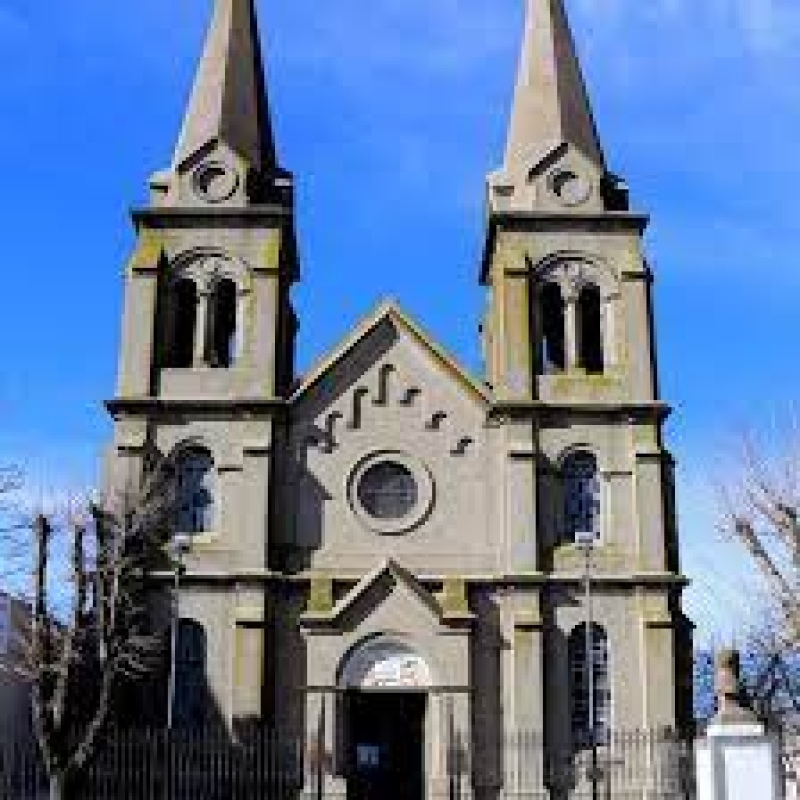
pixel 387 548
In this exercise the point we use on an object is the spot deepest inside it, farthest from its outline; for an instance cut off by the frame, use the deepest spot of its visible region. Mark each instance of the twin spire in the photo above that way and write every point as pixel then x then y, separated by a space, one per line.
pixel 229 102
pixel 551 104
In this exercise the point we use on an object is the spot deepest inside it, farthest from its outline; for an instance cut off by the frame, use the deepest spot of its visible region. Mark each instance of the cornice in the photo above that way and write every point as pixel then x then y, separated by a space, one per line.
pixel 137 406
pixel 522 580
pixel 547 221
pixel 656 411
pixel 190 217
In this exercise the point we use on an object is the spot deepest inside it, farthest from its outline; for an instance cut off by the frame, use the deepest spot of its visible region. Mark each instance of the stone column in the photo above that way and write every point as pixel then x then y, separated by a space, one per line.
pixel 201 323
pixel 736 760
pixel 241 317
pixel 609 327
pixel 571 332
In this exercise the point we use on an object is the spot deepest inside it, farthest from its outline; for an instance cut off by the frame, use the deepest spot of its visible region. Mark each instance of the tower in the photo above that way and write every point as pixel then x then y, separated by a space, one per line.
pixel 570 354
pixel 206 358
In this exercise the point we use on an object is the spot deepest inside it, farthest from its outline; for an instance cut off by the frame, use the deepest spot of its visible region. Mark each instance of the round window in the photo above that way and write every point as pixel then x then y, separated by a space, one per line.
pixel 388 491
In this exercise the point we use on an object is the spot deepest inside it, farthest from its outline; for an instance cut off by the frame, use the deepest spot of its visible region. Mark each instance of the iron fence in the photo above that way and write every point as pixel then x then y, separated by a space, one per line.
pixel 208 764
pixel 159 765
pixel 790 762
pixel 628 765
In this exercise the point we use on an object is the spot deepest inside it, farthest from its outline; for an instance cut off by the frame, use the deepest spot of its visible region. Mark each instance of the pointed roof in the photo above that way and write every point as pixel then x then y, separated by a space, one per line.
pixel 551 104
pixel 389 310
pixel 229 101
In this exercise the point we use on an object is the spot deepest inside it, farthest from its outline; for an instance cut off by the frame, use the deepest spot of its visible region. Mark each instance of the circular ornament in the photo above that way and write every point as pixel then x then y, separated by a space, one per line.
pixel 215 182
pixel 390 493
pixel 571 189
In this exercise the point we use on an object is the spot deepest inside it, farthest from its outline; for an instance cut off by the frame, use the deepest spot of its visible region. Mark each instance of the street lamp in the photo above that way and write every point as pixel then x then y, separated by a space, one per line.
pixel 179 546
pixel 586 540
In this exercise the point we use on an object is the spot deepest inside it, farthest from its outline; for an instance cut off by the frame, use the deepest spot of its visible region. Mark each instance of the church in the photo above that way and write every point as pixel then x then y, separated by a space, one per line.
pixel 387 549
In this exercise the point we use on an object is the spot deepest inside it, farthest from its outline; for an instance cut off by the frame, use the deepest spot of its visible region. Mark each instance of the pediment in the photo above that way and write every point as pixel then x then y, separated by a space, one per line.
pixel 388 373
pixel 388 315
pixel 387 598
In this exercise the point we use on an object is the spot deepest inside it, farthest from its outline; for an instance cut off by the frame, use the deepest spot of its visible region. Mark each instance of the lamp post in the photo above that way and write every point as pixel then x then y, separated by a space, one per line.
pixel 585 541
pixel 178 548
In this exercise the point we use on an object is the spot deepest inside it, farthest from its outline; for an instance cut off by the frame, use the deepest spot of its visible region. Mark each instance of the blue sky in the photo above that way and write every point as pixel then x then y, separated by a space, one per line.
pixel 391 113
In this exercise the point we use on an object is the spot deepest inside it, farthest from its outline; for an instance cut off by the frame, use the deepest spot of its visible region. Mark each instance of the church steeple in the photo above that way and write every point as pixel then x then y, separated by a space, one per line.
pixel 229 103
pixel 551 104
pixel 554 160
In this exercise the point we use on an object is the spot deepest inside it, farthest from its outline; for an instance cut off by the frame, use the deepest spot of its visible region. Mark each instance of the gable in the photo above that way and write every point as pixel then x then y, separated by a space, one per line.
pixel 389 318
pixel 388 365
pixel 390 396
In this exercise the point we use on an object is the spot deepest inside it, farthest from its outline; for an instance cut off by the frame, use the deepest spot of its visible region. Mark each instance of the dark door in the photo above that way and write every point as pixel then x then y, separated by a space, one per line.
pixel 386 736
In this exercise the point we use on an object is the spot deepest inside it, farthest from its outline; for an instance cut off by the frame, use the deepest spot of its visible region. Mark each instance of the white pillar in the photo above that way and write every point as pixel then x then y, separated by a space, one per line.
pixel 201 323
pixel 571 332
pixel 738 761
pixel 609 332
pixel 241 316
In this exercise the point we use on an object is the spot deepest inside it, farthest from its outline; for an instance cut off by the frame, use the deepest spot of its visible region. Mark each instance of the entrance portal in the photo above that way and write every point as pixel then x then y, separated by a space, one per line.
pixel 386 740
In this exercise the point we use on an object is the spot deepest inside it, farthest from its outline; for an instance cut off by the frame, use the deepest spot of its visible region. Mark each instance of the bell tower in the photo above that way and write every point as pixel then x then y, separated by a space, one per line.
pixel 569 350
pixel 207 308
pixel 206 355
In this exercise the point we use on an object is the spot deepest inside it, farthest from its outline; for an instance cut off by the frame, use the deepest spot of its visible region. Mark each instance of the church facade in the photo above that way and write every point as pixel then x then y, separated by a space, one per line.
pixel 388 548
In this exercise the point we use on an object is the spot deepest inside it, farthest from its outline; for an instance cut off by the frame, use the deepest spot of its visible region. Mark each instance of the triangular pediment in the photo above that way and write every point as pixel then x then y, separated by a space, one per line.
pixel 386 597
pixel 388 377
pixel 389 314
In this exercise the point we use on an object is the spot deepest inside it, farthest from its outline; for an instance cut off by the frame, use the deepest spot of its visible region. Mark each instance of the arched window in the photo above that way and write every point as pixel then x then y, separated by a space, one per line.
pixel 552 357
pixel 191 696
pixel 581 495
pixel 590 329
pixel 221 339
pixel 182 324
pixel 584 712
pixel 195 502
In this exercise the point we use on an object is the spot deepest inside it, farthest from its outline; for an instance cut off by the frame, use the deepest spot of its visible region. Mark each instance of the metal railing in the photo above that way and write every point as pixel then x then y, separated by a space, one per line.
pixel 259 763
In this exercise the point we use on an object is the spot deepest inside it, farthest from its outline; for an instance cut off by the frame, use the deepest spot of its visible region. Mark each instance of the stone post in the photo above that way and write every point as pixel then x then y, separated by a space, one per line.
pixel 737 760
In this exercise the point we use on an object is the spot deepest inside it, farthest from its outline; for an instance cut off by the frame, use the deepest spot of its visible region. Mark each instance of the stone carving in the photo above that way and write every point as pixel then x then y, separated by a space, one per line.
pixel 387 665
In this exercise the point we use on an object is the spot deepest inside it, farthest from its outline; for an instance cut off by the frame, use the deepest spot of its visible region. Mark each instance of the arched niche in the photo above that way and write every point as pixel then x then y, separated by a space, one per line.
pixel 216 337
pixel 590 292
pixel 385 663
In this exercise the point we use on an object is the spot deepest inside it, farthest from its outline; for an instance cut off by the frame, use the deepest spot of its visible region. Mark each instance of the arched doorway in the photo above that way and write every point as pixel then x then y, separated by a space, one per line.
pixel 386 686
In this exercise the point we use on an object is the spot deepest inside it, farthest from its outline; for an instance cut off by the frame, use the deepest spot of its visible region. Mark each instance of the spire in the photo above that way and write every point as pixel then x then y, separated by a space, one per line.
pixel 229 100
pixel 551 105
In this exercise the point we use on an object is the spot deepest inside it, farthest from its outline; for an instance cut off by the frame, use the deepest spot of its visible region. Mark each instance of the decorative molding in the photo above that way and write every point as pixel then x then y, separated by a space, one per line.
pixel 463 445
pixel 436 421
pixel 360 400
pixel 152 406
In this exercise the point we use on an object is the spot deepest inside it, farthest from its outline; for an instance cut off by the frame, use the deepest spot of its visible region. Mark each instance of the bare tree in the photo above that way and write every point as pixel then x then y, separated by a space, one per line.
pixel 78 657
pixel 762 512
pixel 13 526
